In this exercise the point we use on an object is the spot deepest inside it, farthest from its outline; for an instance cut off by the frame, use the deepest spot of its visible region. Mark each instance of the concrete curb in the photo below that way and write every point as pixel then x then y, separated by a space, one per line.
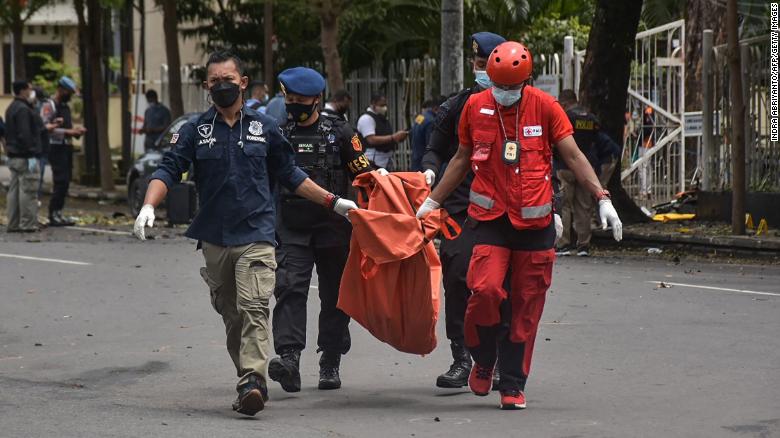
pixel 749 243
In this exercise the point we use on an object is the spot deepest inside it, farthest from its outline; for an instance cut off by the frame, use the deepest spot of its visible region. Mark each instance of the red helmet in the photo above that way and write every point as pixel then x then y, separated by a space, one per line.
pixel 510 63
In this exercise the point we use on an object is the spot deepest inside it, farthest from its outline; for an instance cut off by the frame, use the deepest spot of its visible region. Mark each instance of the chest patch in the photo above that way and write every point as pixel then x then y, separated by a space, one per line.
pixel 255 127
pixel 205 130
pixel 305 148
pixel 487 111
pixel 532 131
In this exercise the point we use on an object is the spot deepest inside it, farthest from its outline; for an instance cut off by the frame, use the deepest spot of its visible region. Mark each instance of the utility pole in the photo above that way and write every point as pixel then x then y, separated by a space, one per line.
pixel 268 46
pixel 737 122
pixel 707 105
pixel 451 46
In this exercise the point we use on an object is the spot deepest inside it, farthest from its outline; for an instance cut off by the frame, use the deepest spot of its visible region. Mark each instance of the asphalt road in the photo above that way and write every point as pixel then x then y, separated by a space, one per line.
pixel 127 344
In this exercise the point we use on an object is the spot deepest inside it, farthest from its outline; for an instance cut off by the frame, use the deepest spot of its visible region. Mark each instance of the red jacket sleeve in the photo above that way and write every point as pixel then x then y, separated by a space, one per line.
pixel 464 128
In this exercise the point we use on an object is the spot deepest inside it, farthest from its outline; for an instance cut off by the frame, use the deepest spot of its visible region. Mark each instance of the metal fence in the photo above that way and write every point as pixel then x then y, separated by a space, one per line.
pixel 762 156
pixel 654 152
pixel 406 84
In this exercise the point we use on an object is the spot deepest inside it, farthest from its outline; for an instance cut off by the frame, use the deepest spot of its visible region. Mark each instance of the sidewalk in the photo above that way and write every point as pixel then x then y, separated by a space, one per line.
pixel 696 235
pixel 75 191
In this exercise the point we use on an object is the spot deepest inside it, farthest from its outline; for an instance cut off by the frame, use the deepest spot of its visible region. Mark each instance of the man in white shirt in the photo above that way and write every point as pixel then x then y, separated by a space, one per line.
pixel 375 128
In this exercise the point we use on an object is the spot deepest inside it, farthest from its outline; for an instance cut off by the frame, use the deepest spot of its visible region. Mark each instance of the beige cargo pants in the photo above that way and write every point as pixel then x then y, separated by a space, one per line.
pixel 22 201
pixel 241 280
pixel 577 208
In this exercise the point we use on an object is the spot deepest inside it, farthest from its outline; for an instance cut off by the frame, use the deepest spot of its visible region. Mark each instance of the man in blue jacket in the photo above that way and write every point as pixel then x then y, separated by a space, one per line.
pixel 238 155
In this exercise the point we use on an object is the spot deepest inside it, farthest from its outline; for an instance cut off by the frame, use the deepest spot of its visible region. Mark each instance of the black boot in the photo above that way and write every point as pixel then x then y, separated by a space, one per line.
pixel 251 397
pixel 329 370
pixel 284 369
pixel 458 374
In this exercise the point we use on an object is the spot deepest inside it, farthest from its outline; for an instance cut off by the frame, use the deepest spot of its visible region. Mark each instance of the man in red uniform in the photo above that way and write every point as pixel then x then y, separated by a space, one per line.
pixel 506 135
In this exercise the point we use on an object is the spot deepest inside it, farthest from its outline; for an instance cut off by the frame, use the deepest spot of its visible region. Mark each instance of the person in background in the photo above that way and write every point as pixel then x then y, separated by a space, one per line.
pixel 338 105
pixel 258 96
pixel 421 131
pixel 276 109
pixel 157 117
pixel 61 147
pixel 24 146
pixel 577 203
pixel 42 98
pixel 374 126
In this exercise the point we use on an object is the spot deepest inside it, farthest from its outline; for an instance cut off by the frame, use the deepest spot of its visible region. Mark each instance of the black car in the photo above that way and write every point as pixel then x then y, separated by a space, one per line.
pixel 138 176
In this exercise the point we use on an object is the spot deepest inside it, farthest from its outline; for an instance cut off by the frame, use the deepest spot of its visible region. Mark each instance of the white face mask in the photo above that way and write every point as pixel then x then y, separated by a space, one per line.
pixel 507 97
pixel 31 97
pixel 381 110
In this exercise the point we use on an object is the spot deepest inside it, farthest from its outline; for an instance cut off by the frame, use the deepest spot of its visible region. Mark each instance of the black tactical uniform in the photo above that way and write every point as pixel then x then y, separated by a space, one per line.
pixel 331 153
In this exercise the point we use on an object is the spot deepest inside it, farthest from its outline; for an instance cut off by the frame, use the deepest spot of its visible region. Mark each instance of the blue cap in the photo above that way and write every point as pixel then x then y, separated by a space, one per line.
pixel 302 80
pixel 484 42
pixel 68 84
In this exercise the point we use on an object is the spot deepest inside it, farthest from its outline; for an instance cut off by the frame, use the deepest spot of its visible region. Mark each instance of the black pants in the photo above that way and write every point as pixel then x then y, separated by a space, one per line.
pixel 455 255
pixel 61 162
pixel 495 345
pixel 293 279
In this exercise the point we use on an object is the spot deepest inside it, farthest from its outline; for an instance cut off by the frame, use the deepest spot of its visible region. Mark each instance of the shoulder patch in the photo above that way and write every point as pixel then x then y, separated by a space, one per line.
pixel 357 146
pixel 174 138
pixel 419 119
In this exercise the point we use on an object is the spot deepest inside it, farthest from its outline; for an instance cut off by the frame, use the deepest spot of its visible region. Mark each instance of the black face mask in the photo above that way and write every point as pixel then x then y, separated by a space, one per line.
pixel 65 98
pixel 224 94
pixel 300 112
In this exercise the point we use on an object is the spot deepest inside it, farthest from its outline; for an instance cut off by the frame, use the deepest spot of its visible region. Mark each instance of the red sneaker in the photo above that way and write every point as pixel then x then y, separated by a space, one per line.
pixel 481 379
pixel 512 400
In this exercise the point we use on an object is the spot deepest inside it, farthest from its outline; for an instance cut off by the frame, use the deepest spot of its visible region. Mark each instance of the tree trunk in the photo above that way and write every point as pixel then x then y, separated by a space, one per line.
pixel 737 121
pixel 451 46
pixel 604 83
pixel 268 50
pixel 330 11
pixel 99 98
pixel 170 27
pixel 700 15
pixel 20 70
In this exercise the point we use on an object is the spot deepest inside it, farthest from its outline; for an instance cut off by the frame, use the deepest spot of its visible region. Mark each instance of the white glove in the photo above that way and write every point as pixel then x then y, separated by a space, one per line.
pixel 430 177
pixel 558 227
pixel 343 206
pixel 427 206
pixel 382 171
pixel 609 216
pixel 145 218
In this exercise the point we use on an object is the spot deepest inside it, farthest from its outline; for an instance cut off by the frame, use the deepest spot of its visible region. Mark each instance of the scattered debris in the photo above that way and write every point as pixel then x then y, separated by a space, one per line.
pixel 662 285
pixel 38 344
pixel 654 250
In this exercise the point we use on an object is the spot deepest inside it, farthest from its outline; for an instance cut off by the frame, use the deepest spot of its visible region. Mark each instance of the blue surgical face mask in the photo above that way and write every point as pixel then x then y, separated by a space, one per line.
pixel 482 79
pixel 507 97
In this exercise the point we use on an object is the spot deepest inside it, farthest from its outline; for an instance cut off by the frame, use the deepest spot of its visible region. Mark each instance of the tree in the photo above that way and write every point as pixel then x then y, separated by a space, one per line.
pixel 330 12
pixel 737 121
pixel 171 30
pixel 13 15
pixel 604 83
pixel 91 35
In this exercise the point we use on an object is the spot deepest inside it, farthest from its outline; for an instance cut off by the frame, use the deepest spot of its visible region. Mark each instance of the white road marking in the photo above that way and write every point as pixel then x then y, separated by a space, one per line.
pixel 98 230
pixel 724 289
pixel 41 259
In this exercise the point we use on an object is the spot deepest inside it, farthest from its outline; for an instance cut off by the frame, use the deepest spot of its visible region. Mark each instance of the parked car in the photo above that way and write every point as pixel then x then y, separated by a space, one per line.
pixel 143 167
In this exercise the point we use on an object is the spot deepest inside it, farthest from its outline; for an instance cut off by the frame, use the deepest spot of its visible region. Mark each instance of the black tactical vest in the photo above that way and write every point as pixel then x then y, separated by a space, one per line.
pixel 383 127
pixel 585 128
pixel 317 152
